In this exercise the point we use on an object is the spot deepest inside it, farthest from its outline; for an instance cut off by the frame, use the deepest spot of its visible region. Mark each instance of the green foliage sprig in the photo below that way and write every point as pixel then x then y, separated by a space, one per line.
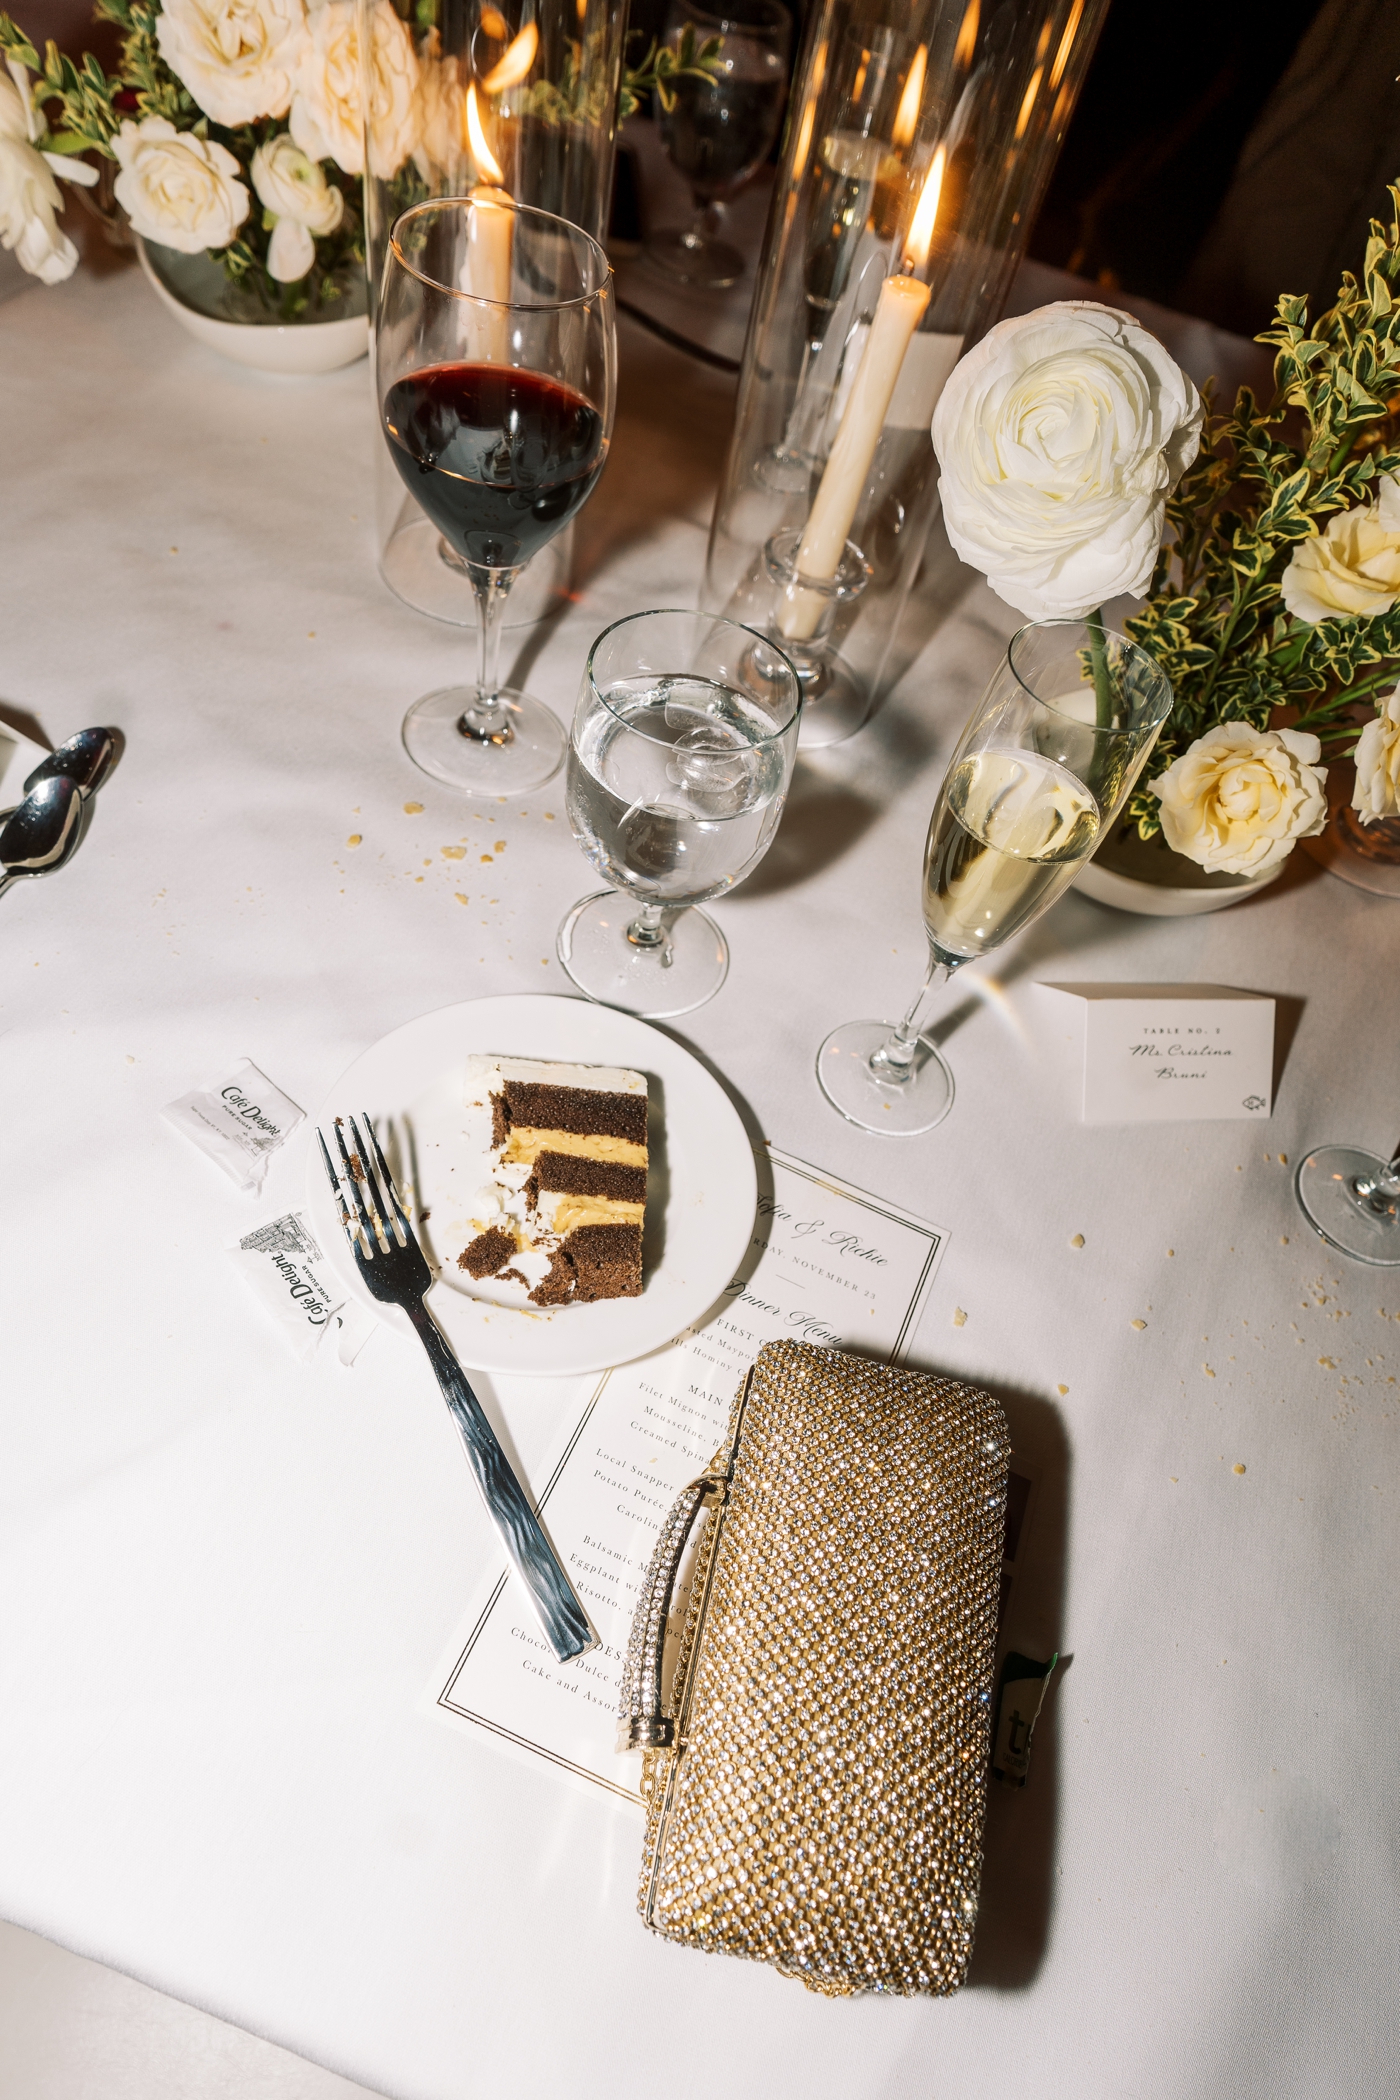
pixel 660 68
pixel 1267 479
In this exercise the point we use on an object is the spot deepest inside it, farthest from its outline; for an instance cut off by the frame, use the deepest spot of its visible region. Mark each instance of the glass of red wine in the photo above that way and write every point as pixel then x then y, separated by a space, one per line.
pixel 719 131
pixel 496 367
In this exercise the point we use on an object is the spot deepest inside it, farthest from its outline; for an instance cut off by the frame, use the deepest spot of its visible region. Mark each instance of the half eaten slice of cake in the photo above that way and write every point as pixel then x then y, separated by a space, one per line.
pixel 568 1178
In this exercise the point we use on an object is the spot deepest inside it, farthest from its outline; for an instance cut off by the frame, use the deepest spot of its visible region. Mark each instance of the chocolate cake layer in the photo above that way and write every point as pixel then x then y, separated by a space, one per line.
pixel 595 1261
pixel 583 1111
pixel 571 1174
pixel 487 1252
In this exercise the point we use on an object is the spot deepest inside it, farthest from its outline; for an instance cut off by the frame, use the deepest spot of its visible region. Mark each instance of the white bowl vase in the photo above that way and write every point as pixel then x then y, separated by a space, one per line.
pixel 1155 893
pixel 305 347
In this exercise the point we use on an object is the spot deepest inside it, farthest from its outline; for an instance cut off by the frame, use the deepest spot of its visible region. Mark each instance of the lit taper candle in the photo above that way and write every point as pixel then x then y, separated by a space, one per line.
pixel 902 305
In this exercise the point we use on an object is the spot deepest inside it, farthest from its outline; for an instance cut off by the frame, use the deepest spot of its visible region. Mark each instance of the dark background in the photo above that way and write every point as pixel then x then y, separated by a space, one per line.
pixel 1223 151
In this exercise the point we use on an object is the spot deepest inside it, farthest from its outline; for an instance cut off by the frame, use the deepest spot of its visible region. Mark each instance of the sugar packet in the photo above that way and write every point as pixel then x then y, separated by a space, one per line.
pixel 285 1268
pixel 239 1123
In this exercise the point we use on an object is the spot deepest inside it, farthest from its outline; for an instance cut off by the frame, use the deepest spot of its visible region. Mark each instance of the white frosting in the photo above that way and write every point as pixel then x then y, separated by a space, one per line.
pixel 489 1072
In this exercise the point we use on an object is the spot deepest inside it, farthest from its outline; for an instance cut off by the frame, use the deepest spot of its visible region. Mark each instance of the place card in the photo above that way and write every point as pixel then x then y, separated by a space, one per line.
pixel 1158 1053
pixel 827 1263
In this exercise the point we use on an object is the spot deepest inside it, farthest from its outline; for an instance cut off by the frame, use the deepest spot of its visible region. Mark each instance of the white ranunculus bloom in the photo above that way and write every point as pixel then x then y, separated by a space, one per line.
pixel 1060 436
pixel 1352 569
pixel 1240 798
pixel 177 188
pixel 1377 756
pixel 326 119
pixel 235 56
pixel 290 252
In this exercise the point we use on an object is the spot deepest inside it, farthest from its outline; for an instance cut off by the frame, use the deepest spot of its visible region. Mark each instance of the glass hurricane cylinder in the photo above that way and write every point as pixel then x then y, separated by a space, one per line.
pixel 918 145
pixel 464 96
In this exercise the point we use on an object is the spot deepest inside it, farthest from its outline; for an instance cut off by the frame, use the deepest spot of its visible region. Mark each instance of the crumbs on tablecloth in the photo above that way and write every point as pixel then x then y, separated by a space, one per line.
pixel 1078 1240
pixel 959 1317
pixel 413 809
pixel 1138 1324
pixel 1237 1468
pixel 356 838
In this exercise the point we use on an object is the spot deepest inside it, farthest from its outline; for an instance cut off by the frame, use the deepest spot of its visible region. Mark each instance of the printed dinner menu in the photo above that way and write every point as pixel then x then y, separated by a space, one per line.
pixel 827 1264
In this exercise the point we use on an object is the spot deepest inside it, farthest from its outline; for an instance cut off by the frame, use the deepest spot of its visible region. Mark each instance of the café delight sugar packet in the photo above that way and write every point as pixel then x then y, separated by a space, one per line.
pixel 239 1122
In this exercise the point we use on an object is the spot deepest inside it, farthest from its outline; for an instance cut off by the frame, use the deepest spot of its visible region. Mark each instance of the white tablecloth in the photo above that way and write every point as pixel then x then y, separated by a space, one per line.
pixel 226 1579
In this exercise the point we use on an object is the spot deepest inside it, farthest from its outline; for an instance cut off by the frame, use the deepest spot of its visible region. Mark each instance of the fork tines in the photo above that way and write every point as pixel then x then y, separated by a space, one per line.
pixel 368 1229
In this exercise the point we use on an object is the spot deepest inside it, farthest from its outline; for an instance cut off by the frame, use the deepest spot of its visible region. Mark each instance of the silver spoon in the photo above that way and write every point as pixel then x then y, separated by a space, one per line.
pixel 43 832
pixel 86 759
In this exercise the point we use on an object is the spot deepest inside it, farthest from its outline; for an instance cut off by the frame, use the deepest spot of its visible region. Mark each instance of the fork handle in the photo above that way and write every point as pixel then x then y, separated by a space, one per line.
pixel 562 1618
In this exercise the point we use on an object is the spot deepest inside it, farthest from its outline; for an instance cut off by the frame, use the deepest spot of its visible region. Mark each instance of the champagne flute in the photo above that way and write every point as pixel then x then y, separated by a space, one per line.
pixel 682 753
pixel 1040 773
pixel 719 131
pixel 496 367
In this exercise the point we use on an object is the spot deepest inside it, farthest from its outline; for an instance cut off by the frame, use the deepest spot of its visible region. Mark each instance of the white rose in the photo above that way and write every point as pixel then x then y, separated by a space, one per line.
pixel 1377 755
pixel 1239 798
pixel 295 190
pixel 1060 436
pixel 327 103
pixel 235 56
pixel 441 113
pixel 1352 569
pixel 30 199
pixel 177 188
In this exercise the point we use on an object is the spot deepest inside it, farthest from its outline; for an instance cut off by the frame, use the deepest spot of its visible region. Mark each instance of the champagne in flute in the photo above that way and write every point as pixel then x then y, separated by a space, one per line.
pixel 1041 772
pixel 1010 832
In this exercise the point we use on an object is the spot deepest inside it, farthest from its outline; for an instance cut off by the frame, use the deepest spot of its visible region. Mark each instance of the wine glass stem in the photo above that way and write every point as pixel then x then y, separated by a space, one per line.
pixel 893 1062
pixel 486 719
pixel 646 930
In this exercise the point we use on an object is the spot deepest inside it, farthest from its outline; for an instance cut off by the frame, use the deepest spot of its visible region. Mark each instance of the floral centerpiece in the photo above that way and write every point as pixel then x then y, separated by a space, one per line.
pixel 236 130
pixel 1079 464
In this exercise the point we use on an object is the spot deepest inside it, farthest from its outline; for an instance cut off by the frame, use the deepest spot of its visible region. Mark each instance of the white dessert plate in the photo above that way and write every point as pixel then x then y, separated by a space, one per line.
pixel 701 1192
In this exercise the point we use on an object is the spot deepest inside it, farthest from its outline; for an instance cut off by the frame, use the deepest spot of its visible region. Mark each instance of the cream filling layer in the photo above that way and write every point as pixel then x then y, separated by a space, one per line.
pixel 572 1211
pixel 525 1144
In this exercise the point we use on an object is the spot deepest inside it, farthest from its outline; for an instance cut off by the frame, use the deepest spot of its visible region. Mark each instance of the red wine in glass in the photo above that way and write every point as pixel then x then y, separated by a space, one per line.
pixel 500 458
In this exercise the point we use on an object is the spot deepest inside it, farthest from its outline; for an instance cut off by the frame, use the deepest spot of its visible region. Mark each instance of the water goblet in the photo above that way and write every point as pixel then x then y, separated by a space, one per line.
pixel 719 131
pixel 1351 1197
pixel 682 751
pixel 1042 770
pixel 495 356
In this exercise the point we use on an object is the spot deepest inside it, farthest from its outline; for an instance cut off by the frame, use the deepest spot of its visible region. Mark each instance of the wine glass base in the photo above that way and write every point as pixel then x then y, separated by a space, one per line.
pixel 438 745
pixel 890 1109
pixel 1323 1186
pixel 657 983
pixel 712 265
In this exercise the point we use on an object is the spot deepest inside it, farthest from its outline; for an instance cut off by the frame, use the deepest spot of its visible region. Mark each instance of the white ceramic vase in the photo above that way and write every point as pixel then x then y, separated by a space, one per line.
pixel 295 351
pixel 1147 877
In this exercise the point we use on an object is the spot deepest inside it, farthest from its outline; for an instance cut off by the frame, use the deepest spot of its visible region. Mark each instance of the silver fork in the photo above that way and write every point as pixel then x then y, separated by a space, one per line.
pixel 392 1263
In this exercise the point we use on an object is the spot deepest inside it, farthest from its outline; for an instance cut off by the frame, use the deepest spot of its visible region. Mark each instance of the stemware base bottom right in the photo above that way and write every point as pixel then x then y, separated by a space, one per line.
pixel 887 1106
pixel 1349 1197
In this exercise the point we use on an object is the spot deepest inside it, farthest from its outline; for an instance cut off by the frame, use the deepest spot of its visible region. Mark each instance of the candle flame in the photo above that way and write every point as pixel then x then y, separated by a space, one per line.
pixel 1028 104
pixel 907 115
pixel 967 36
pixel 920 239
pixel 1066 43
pixel 487 165
pixel 495 24
pixel 514 62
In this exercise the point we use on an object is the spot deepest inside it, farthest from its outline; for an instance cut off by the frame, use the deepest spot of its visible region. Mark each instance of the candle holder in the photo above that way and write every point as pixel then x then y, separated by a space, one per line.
pixel 515 96
pixel 913 163
pixel 777 595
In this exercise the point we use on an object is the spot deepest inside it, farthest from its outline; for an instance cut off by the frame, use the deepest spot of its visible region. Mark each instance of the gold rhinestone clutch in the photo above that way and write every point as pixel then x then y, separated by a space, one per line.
pixel 815 1778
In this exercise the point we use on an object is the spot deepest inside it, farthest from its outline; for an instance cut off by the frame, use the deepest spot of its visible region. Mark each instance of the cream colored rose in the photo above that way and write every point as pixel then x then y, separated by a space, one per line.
pixel 1060 436
pixel 236 57
pixel 1237 801
pixel 327 102
pixel 1377 755
pixel 1352 569
pixel 177 188
pixel 441 113
pixel 294 189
